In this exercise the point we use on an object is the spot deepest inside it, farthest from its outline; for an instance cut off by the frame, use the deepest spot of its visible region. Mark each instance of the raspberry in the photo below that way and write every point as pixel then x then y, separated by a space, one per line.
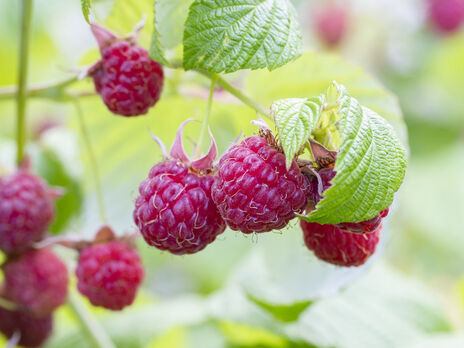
pixel 34 331
pixel 364 226
pixel 129 81
pixel 446 15
pixel 338 247
pixel 255 192
pixel 109 274
pixel 174 210
pixel 26 211
pixel 331 24
pixel 37 281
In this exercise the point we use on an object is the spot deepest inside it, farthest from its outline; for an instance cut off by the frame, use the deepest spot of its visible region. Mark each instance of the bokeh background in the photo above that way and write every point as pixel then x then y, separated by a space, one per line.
pixel 267 290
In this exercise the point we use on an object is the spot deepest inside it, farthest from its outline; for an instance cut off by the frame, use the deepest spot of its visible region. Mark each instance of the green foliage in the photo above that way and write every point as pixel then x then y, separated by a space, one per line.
pixel 295 119
pixel 69 205
pixel 283 312
pixel 86 5
pixel 229 35
pixel 371 314
pixel 370 166
pixel 168 27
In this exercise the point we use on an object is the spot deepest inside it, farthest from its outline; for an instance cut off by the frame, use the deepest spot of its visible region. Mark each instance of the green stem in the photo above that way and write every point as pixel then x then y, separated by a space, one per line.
pixel 93 160
pixel 206 117
pixel 90 325
pixel 238 94
pixel 21 97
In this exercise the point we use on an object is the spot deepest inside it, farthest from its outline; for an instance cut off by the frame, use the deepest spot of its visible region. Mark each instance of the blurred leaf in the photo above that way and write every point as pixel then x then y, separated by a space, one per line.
pixel 282 312
pixel 372 314
pixel 85 4
pixel 295 118
pixel 429 237
pixel 174 338
pixel 125 14
pixel 238 34
pixel 246 336
pixel 156 49
pixel 69 205
pixel 370 166
pixel 455 340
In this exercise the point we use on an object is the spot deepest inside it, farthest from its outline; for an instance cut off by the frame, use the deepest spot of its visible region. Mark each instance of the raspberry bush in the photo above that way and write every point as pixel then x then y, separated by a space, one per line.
pixel 323 161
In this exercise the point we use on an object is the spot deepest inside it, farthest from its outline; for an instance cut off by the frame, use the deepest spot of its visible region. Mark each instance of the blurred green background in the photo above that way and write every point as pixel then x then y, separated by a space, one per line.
pixel 267 290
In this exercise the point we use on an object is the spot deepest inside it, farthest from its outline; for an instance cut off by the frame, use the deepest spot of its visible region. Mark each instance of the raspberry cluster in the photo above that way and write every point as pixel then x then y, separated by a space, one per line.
pixel 35 280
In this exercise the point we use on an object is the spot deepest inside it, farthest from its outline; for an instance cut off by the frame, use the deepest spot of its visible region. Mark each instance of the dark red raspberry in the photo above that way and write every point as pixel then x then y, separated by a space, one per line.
pixel 33 331
pixel 364 226
pixel 175 211
pixel 109 274
pixel 26 211
pixel 446 15
pixel 128 80
pixel 339 247
pixel 331 24
pixel 37 281
pixel 255 192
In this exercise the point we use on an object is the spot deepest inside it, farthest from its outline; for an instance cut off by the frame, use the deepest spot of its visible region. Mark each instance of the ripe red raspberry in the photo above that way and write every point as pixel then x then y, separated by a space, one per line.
pixel 331 24
pixel 446 15
pixel 255 192
pixel 37 281
pixel 128 80
pixel 174 210
pixel 33 330
pixel 26 211
pixel 109 274
pixel 339 247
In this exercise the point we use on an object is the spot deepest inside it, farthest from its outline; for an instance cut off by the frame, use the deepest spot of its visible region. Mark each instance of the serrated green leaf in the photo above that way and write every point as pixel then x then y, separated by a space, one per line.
pixel 295 118
pixel 229 35
pixel 370 166
pixel 85 4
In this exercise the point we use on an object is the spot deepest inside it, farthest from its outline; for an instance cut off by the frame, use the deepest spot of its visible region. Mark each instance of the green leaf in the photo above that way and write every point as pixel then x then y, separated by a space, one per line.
pixel 229 35
pixel 241 335
pixel 371 314
pixel 370 166
pixel 85 4
pixel 168 27
pixel 156 49
pixel 69 205
pixel 285 313
pixel 295 119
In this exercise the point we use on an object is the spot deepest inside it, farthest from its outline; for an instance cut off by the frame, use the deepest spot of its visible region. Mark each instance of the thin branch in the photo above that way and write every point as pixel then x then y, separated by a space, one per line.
pixel 93 160
pixel 21 96
pixel 204 126
pixel 89 323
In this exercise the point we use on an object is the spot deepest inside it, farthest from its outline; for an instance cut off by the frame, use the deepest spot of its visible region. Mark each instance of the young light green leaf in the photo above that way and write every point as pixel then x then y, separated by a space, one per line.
pixel 370 166
pixel 85 4
pixel 295 118
pixel 168 26
pixel 156 49
pixel 229 35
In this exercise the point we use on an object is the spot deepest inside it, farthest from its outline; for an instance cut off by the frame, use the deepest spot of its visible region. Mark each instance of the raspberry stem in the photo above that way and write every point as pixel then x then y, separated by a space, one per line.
pixel 91 326
pixel 26 16
pixel 206 117
pixel 238 94
pixel 92 158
